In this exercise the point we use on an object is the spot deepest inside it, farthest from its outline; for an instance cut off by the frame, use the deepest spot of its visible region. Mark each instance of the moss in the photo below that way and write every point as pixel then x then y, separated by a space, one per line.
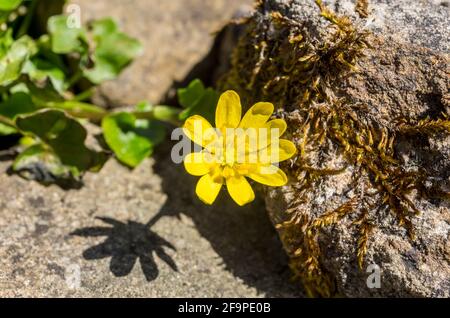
pixel 297 72
pixel 362 7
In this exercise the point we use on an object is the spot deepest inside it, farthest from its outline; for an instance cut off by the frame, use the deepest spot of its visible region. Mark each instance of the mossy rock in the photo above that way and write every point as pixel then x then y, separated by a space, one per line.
pixel 364 87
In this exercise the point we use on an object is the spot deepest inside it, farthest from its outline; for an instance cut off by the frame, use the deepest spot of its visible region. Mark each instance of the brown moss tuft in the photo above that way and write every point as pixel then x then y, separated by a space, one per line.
pixel 298 73
pixel 362 7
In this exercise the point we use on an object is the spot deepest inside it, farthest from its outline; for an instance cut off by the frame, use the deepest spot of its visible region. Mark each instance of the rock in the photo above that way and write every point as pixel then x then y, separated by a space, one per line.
pixel 176 35
pixel 138 233
pixel 366 99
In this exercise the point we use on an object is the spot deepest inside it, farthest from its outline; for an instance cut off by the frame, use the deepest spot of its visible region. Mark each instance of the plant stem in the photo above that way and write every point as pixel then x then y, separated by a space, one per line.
pixel 5 89
pixel 28 18
pixel 83 96
pixel 74 79
pixel 88 111
pixel 162 113
pixel 7 121
pixel 78 109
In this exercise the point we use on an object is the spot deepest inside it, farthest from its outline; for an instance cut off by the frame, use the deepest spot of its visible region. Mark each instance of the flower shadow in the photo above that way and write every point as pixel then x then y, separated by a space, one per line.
pixel 243 237
pixel 126 244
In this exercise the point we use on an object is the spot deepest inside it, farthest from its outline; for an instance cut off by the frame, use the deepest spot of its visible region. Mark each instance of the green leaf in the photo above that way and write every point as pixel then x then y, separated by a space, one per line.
pixel 188 96
pixel 6 41
pixel 6 130
pixel 43 93
pixel 114 51
pixel 65 136
pixel 198 100
pixel 65 38
pixel 40 70
pixel 16 104
pixel 12 63
pixel 9 5
pixel 144 106
pixel 45 52
pixel 131 139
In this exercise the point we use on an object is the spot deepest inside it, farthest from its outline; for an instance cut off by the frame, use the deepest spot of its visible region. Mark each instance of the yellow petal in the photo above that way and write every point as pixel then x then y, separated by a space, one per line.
pixel 277 152
pixel 261 138
pixel 229 110
pixel 199 163
pixel 257 116
pixel 208 190
pixel 279 124
pixel 199 130
pixel 269 175
pixel 240 190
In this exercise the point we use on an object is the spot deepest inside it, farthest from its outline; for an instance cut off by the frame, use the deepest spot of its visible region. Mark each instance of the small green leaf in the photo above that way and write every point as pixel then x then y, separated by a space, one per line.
pixel 198 100
pixel 131 139
pixel 6 41
pixel 9 5
pixel 42 93
pixel 114 51
pixel 40 70
pixel 45 52
pixel 16 104
pixel 188 96
pixel 65 136
pixel 6 130
pixel 144 106
pixel 64 37
pixel 12 63
pixel 104 27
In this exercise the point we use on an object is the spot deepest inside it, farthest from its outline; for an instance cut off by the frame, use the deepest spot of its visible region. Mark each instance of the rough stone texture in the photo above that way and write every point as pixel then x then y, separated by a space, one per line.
pixel 176 35
pixel 47 235
pixel 406 74
pixel 425 23
pixel 156 239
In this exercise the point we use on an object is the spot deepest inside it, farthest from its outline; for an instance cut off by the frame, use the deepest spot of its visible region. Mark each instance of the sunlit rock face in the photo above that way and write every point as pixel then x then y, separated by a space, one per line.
pixel 176 34
pixel 350 211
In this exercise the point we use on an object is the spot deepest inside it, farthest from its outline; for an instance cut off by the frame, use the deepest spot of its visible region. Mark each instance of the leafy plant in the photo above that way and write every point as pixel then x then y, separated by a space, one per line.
pixel 198 100
pixel 46 80
pixel 132 139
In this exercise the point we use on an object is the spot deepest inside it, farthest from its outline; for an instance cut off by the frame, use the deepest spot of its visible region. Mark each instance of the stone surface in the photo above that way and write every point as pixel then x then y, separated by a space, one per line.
pixel 404 75
pixel 48 236
pixel 176 36
pixel 423 24
pixel 140 233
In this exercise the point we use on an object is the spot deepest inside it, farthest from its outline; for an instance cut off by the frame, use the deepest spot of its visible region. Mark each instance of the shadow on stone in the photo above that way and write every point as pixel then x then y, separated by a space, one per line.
pixel 243 237
pixel 37 172
pixel 126 244
pixel 34 171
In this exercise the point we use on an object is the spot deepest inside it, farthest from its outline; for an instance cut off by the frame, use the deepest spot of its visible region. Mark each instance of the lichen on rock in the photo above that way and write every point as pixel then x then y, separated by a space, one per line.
pixel 364 87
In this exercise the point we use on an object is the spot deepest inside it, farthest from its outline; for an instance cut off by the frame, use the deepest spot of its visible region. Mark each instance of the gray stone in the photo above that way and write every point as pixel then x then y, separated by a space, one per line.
pixel 176 36
pixel 405 74
pixel 423 22
pixel 155 239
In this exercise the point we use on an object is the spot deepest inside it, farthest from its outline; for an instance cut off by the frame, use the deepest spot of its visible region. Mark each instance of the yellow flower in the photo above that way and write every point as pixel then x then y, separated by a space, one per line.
pixel 237 149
